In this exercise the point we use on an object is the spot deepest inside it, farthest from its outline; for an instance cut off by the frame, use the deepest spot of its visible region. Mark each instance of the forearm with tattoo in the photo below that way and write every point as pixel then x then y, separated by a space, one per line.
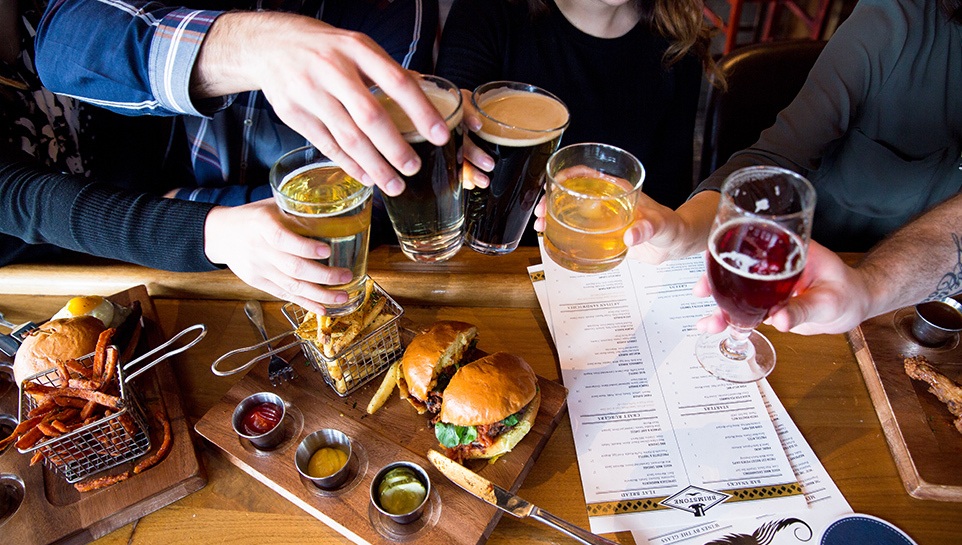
pixel 951 282
pixel 921 261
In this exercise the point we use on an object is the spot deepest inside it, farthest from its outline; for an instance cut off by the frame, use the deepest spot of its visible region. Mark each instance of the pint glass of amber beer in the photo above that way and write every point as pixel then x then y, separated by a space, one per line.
pixel 521 126
pixel 592 191
pixel 428 217
pixel 321 201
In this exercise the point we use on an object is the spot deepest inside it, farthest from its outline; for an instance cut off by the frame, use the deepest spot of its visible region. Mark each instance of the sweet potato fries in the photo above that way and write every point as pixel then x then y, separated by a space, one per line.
pixel 76 396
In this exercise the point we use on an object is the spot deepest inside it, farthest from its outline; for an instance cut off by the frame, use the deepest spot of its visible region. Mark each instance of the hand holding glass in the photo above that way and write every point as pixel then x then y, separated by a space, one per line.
pixel 756 253
pixel 320 201
pixel 428 216
pixel 592 191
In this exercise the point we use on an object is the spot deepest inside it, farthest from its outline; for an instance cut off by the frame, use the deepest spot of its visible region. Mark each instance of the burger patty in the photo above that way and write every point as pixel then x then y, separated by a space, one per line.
pixel 433 403
pixel 435 396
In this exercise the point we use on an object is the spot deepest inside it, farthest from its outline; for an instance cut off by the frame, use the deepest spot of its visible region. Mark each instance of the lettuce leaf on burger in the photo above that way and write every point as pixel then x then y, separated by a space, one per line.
pixel 488 406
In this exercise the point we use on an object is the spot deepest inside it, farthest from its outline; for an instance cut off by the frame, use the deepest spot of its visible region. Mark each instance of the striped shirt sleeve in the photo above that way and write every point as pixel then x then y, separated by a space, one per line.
pixel 130 56
pixel 173 52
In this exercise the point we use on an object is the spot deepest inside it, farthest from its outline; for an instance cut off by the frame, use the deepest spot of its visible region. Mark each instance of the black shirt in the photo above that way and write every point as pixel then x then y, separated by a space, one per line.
pixel 618 91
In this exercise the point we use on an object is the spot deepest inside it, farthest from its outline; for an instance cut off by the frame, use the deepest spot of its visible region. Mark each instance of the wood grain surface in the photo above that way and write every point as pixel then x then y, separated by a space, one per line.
pixel 396 432
pixel 925 445
pixel 817 379
pixel 53 511
pixel 466 280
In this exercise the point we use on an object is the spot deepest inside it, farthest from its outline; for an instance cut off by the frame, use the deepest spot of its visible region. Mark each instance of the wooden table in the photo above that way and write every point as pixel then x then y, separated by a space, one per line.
pixel 817 379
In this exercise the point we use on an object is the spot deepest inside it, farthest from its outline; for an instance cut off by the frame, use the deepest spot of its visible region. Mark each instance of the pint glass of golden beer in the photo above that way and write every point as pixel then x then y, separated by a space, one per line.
pixel 428 217
pixel 521 126
pixel 592 190
pixel 322 202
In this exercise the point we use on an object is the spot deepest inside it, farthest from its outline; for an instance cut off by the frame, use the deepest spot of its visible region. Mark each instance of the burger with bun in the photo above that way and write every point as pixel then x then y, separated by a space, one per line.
pixel 73 333
pixel 488 407
pixel 62 339
pixel 430 360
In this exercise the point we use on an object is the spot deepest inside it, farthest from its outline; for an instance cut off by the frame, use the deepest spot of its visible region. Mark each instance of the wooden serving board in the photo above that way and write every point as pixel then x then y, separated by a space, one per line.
pixel 925 445
pixel 395 432
pixel 53 511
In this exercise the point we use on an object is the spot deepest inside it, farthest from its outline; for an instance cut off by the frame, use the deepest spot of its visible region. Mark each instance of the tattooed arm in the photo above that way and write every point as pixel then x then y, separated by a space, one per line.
pixel 922 261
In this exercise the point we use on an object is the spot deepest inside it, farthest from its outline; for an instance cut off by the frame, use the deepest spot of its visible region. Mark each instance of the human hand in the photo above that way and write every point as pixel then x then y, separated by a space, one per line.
pixel 317 78
pixel 830 297
pixel 476 161
pixel 661 234
pixel 254 243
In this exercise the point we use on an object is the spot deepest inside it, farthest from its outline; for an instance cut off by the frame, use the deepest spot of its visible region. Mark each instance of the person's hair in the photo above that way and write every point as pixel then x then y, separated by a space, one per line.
pixel 681 22
pixel 952 8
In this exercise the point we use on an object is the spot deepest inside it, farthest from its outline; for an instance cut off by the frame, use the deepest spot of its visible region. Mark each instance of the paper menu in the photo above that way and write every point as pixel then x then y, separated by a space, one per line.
pixel 660 442
pixel 824 501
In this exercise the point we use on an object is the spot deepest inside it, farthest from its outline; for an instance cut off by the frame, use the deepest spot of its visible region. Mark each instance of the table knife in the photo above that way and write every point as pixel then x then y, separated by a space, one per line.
pixel 506 501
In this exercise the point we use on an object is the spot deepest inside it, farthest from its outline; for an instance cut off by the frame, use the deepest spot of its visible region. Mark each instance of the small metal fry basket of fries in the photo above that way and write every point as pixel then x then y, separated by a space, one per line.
pixel 86 416
pixel 347 351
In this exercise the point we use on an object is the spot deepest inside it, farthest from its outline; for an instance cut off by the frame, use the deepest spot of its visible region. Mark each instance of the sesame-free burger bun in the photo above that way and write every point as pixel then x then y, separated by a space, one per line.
pixel 488 390
pixel 507 440
pixel 485 392
pixel 62 339
pixel 429 353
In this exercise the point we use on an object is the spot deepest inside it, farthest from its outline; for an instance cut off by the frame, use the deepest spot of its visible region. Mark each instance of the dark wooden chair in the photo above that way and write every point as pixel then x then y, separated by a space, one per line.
pixel 762 80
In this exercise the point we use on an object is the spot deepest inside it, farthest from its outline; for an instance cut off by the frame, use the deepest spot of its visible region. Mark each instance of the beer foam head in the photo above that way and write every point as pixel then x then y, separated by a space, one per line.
pixel 446 101
pixel 512 117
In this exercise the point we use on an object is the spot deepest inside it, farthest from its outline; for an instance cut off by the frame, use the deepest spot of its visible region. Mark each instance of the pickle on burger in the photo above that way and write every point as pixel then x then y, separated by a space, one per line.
pixel 430 360
pixel 488 407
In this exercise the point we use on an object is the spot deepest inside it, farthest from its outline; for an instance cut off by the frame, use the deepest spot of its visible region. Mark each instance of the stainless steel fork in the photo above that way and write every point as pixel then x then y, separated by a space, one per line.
pixel 279 369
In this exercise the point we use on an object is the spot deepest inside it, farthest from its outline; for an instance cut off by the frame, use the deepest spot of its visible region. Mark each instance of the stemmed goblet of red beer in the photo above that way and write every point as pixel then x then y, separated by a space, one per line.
pixel 756 253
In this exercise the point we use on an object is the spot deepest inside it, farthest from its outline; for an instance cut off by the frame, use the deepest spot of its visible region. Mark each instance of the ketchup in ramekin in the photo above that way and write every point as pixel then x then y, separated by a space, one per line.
pixel 261 418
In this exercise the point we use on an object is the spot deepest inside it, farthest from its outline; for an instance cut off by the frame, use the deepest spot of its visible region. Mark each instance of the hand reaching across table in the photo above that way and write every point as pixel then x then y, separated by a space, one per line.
pixel 830 298
pixel 317 79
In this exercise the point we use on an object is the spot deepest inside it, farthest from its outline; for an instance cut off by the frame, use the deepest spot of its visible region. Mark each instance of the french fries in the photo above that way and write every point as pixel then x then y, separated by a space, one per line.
pixel 332 336
pixel 385 390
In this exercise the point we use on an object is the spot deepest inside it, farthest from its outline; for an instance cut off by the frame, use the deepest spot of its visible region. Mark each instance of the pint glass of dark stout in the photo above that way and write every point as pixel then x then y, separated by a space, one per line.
pixel 428 216
pixel 521 126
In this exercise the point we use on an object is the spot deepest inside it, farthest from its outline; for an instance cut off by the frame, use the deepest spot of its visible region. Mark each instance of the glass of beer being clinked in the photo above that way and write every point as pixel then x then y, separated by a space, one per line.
pixel 591 193
pixel 320 201
pixel 428 216
pixel 521 126
pixel 757 250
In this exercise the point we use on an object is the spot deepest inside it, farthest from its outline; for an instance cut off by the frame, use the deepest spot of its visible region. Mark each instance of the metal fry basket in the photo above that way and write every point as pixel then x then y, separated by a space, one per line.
pixel 113 439
pixel 100 445
pixel 363 359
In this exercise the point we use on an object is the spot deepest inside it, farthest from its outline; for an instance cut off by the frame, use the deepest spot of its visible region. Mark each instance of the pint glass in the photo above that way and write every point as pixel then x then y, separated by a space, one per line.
pixel 428 217
pixel 592 191
pixel 521 126
pixel 322 202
